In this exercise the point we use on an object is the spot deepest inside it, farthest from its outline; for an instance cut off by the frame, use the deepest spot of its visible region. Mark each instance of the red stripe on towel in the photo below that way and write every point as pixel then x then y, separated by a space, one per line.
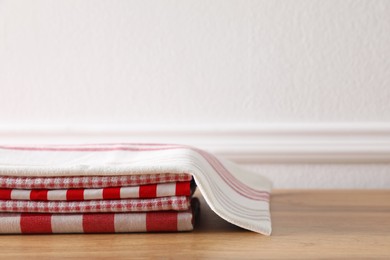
pixel 76 194
pixel 148 191
pixel 38 195
pixel 5 194
pixel 183 189
pixel 35 223
pixel 112 193
pixel 99 223
pixel 161 221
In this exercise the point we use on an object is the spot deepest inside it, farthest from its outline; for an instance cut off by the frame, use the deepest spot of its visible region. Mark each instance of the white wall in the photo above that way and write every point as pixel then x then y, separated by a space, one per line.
pixel 115 63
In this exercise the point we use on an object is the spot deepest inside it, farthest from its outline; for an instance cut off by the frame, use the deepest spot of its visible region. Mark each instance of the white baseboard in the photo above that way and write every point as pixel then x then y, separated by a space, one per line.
pixel 268 143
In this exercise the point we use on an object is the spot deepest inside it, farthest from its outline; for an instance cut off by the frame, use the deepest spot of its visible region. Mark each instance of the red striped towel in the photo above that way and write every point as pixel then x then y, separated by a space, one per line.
pixel 112 193
pixel 161 221
pixel 237 195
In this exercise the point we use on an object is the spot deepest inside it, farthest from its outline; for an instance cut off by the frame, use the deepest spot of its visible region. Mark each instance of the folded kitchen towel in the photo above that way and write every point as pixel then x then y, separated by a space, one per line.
pixel 160 221
pixel 73 182
pixel 237 195
pixel 153 204
pixel 89 206
pixel 143 191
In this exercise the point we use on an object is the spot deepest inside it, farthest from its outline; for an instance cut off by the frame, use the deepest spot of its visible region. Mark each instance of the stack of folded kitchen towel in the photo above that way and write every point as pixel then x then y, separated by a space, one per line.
pixel 116 188
pixel 97 204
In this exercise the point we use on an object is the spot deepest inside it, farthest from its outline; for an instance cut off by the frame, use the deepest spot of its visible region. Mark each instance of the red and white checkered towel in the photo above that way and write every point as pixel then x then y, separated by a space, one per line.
pixel 125 205
pixel 237 195
pixel 87 182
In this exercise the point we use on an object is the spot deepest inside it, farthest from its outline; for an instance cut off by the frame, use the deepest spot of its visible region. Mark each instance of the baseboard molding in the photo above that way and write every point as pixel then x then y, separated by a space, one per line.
pixel 268 143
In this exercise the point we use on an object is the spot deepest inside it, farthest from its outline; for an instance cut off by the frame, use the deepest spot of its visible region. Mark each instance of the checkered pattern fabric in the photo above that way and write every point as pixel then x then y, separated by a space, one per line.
pixel 129 205
pixel 96 204
pixel 75 182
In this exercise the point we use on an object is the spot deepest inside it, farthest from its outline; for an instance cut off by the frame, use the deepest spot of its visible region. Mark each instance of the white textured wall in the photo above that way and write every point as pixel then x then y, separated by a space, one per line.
pixel 194 61
pixel 199 62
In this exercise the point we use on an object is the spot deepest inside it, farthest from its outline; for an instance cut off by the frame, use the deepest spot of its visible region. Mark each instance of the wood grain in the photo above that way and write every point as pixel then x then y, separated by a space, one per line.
pixel 306 224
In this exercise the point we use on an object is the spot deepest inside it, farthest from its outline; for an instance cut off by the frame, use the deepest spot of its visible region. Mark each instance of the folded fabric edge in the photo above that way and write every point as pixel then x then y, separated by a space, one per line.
pixel 258 228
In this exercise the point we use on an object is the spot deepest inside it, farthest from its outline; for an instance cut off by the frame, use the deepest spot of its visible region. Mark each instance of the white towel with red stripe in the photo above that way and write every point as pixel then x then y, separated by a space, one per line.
pixel 237 195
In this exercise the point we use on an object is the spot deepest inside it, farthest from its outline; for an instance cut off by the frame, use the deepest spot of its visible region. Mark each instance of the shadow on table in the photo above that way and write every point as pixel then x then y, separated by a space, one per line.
pixel 208 221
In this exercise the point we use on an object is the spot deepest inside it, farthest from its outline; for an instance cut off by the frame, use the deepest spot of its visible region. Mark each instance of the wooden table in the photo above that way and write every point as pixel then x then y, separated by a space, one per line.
pixel 306 224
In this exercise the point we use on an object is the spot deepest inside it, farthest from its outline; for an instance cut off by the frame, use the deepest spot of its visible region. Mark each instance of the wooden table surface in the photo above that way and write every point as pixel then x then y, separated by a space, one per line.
pixel 306 224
